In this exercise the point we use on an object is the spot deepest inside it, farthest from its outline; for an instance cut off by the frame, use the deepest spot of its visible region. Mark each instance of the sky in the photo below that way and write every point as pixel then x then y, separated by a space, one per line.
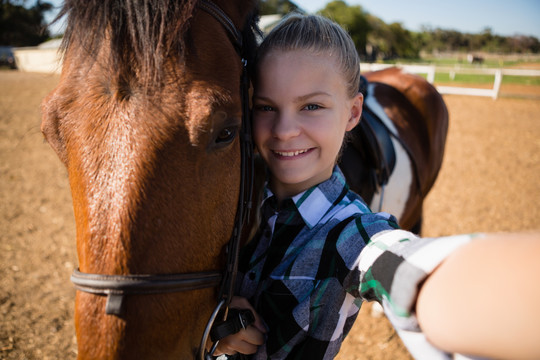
pixel 504 17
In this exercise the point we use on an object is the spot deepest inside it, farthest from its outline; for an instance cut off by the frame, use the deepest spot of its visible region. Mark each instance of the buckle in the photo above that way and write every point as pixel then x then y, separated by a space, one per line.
pixel 237 320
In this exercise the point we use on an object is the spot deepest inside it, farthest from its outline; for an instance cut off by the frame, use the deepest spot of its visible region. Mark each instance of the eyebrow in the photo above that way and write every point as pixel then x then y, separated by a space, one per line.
pixel 310 95
pixel 299 98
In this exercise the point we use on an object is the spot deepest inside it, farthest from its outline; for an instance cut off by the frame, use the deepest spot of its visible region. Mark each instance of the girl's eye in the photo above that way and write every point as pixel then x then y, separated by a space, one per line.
pixel 312 107
pixel 265 108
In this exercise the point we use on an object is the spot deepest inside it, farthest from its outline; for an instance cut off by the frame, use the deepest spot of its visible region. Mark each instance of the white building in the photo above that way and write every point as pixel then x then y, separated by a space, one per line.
pixel 44 58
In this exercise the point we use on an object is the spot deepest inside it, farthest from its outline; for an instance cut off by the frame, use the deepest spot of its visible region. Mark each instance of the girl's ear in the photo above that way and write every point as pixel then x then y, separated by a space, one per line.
pixel 356 111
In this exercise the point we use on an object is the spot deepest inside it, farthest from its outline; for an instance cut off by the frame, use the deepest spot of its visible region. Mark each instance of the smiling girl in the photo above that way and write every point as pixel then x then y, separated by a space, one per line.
pixel 319 251
pixel 300 272
pixel 301 112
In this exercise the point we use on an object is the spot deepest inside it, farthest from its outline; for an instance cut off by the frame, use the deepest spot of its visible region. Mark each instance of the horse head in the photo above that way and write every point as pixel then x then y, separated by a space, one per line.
pixel 146 119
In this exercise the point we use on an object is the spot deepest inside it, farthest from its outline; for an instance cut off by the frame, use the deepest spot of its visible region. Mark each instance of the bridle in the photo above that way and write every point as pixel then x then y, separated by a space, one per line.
pixel 116 287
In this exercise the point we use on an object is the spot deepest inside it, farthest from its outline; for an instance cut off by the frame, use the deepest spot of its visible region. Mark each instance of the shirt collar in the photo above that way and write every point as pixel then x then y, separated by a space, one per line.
pixel 315 202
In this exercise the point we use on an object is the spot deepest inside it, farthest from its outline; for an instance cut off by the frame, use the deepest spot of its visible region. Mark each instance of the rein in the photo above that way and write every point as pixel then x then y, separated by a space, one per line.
pixel 116 287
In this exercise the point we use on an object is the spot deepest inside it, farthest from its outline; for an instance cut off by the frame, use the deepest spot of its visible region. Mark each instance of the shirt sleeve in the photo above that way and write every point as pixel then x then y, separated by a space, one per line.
pixel 393 265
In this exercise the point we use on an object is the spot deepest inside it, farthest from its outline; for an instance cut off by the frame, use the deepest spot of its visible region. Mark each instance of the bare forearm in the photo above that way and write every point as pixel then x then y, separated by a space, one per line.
pixel 484 299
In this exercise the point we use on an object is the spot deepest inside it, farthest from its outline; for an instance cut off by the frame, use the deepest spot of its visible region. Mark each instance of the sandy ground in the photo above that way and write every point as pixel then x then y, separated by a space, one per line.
pixel 489 182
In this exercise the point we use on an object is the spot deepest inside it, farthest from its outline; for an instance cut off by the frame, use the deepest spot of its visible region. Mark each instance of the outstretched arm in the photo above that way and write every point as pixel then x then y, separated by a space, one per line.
pixel 469 294
pixel 484 299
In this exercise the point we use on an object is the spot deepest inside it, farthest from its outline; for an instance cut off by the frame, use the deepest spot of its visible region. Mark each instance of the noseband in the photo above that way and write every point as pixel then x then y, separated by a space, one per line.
pixel 116 287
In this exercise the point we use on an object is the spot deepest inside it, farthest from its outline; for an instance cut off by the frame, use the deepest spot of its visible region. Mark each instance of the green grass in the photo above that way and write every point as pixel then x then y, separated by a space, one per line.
pixel 521 80
pixel 464 78
pixel 444 78
pixel 462 62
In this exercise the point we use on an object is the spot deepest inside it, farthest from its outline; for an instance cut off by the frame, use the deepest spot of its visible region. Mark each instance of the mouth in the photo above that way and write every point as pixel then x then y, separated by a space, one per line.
pixel 289 154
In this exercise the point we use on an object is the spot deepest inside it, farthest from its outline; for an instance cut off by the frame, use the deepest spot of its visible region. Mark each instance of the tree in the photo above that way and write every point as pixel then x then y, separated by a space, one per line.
pixel 391 41
pixel 353 19
pixel 374 39
pixel 23 26
pixel 402 43
pixel 282 7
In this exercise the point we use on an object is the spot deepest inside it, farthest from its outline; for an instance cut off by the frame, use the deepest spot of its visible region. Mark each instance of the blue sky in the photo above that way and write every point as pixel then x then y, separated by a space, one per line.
pixel 504 17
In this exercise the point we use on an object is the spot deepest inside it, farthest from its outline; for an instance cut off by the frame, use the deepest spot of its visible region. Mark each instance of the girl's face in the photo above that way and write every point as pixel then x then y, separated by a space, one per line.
pixel 301 113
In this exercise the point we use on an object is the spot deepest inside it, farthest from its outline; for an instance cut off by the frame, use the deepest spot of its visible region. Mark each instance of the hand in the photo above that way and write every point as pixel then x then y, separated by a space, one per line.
pixel 245 341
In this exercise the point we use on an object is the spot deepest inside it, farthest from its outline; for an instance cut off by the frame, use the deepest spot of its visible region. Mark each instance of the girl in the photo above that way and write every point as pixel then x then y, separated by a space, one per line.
pixel 302 275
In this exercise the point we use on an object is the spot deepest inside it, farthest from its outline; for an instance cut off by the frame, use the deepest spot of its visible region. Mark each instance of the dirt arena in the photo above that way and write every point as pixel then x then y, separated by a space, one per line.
pixel 489 182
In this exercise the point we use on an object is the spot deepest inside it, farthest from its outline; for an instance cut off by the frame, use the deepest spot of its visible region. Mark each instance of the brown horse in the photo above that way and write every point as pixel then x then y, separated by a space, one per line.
pixel 415 116
pixel 146 119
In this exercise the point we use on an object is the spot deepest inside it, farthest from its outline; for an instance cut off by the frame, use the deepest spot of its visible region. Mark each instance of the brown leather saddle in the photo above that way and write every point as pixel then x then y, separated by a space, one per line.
pixel 368 157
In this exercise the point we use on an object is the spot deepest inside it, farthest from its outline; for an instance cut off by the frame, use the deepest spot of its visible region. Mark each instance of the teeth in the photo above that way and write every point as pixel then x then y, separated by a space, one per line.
pixel 291 153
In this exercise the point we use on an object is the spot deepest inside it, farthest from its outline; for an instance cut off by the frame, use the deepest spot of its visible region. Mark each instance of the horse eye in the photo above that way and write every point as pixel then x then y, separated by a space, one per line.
pixel 226 135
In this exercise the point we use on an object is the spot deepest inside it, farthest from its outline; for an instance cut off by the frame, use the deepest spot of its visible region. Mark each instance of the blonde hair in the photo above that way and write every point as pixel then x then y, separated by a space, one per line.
pixel 319 35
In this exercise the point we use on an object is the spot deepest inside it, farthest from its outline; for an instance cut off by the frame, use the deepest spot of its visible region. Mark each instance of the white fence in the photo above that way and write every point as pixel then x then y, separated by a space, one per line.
pixel 430 70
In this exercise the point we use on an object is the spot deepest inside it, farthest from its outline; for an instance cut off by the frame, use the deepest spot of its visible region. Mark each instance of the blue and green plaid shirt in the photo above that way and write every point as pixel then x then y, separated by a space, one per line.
pixel 301 270
pixel 308 270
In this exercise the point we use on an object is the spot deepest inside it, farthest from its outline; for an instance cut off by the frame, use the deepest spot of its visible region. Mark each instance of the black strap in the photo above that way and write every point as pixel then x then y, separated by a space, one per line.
pixel 115 287
pixel 226 291
pixel 237 320
pixel 225 21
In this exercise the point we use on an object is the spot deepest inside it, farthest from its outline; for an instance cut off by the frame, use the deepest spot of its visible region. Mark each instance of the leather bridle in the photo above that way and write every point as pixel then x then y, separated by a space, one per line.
pixel 116 287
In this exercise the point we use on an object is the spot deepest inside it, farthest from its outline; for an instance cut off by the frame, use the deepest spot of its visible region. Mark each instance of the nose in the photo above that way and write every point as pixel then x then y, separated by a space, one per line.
pixel 285 126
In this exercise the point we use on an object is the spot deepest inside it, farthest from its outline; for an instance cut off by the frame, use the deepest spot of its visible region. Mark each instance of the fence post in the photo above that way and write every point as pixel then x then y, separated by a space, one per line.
pixel 431 74
pixel 497 83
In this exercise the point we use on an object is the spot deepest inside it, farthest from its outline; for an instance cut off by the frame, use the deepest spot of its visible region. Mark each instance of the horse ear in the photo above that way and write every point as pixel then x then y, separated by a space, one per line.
pixel 356 111
pixel 50 125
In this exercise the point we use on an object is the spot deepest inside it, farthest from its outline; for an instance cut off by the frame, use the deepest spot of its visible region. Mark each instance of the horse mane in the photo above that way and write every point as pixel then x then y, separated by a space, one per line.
pixel 141 34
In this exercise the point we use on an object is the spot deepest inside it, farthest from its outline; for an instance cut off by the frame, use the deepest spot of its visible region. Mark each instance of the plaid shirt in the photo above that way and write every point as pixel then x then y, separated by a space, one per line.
pixel 393 266
pixel 308 270
pixel 301 272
